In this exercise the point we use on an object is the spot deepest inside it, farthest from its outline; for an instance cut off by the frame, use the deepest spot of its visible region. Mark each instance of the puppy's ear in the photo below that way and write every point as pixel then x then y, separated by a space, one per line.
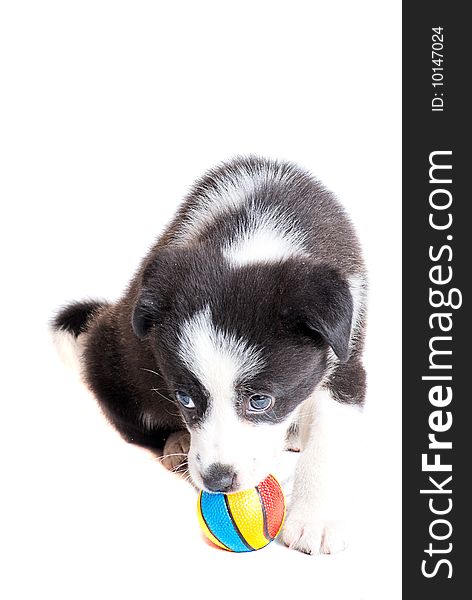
pixel 151 294
pixel 143 315
pixel 325 306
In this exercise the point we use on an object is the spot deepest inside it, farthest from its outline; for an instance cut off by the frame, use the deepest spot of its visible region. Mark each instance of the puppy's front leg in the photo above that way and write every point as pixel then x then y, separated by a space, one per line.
pixel 328 433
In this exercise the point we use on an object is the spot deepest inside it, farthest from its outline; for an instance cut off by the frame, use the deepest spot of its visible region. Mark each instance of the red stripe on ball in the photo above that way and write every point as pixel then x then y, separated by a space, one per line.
pixel 274 504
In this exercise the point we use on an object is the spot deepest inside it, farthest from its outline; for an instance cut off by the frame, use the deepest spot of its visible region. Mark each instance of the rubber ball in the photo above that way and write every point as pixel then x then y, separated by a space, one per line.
pixel 243 521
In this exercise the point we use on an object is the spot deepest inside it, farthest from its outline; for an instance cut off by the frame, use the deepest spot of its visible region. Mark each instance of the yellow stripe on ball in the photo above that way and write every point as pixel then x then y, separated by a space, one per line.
pixel 248 517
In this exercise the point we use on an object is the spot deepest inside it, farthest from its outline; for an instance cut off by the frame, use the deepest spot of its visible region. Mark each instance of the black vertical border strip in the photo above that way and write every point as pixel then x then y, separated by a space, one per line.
pixel 425 131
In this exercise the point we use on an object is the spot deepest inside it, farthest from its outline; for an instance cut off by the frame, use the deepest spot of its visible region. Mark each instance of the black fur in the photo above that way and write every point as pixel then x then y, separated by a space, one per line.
pixel 74 317
pixel 295 309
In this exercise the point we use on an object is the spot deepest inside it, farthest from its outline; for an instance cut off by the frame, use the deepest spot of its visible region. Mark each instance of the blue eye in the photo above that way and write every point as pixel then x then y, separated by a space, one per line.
pixel 184 399
pixel 260 402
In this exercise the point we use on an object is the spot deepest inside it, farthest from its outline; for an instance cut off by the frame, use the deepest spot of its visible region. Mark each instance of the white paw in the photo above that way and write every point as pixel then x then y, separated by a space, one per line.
pixel 312 535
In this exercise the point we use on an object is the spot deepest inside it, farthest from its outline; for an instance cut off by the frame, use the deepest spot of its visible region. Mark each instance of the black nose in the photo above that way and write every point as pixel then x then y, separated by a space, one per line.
pixel 219 478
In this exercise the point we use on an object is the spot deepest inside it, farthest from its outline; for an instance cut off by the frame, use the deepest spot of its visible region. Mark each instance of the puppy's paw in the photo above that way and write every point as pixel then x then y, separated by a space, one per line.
pixel 174 456
pixel 313 535
pixel 335 538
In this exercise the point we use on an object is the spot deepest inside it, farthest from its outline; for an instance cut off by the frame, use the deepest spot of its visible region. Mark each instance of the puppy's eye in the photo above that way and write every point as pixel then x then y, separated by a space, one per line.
pixel 184 399
pixel 259 402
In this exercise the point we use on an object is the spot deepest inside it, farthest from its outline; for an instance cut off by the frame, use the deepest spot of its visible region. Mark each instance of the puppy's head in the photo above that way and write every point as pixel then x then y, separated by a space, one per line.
pixel 240 349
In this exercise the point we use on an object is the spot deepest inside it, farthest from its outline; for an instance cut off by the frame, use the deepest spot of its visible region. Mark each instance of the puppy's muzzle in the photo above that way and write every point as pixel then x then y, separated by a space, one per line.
pixel 220 478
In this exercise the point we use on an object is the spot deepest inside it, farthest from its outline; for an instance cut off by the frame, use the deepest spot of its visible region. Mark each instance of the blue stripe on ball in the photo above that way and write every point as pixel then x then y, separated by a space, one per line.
pixel 219 522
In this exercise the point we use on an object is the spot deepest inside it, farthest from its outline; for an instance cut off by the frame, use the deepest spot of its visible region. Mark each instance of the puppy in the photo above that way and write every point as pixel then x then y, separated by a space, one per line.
pixel 242 327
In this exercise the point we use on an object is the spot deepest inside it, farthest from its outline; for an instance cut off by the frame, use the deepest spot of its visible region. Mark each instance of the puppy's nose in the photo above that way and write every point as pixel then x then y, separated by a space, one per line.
pixel 219 478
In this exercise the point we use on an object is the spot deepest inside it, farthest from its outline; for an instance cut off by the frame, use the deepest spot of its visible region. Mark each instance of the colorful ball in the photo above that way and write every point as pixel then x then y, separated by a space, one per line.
pixel 243 521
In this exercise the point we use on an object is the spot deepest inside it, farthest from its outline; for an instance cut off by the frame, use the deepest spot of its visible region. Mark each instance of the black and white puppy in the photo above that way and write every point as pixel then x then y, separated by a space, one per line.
pixel 243 325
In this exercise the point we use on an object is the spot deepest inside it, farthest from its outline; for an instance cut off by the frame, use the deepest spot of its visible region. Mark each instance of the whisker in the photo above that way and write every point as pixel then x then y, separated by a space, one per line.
pixel 162 395
pixel 180 469
pixel 150 371
pixel 173 454
pixel 166 408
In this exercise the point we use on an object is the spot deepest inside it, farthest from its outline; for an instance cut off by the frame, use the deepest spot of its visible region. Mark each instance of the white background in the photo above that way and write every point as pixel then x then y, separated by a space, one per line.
pixel 109 110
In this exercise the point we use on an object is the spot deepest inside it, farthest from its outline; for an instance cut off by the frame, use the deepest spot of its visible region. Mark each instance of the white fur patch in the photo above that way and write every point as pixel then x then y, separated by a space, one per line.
pixel 251 450
pixel 325 475
pixel 231 192
pixel 358 288
pixel 216 358
pixel 270 237
pixel 69 348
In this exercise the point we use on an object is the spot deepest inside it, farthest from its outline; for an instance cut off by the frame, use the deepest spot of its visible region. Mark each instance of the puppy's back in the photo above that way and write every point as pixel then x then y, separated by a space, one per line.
pixel 261 210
